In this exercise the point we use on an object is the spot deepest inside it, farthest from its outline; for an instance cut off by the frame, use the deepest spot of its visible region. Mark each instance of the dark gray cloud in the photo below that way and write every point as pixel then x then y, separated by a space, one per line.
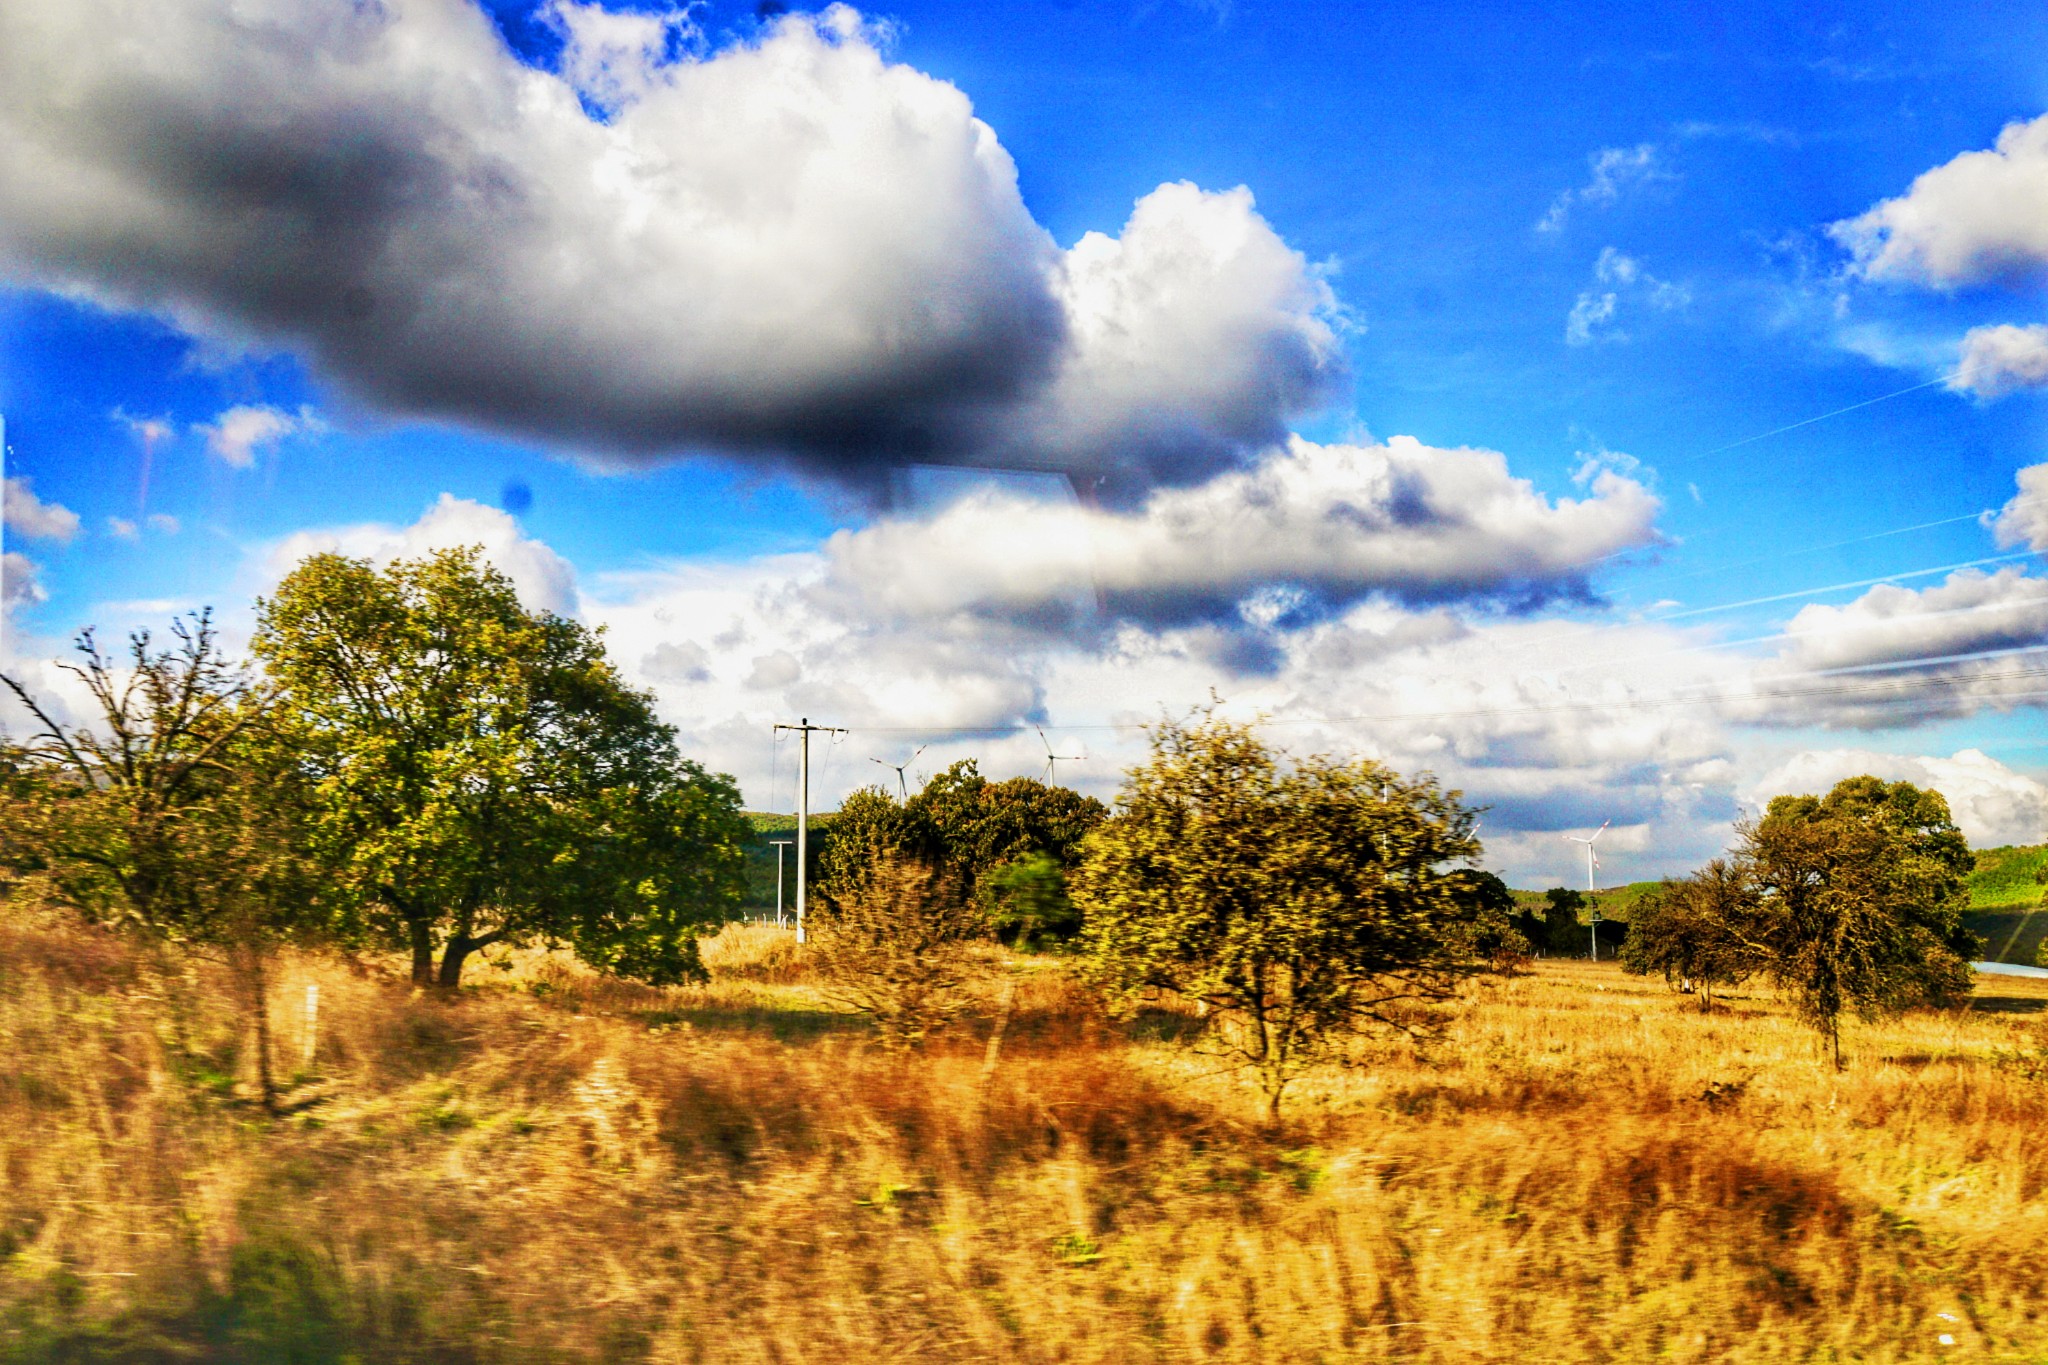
pixel 788 250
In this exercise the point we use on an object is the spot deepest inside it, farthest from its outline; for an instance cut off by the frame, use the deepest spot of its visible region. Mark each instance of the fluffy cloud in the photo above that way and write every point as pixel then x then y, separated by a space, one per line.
pixel 544 579
pixel 1190 335
pixel 1979 217
pixel 787 247
pixel 1969 612
pixel 1613 170
pixel 1617 276
pixel 149 432
pixel 1990 802
pixel 237 436
pixel 1997 360
pixel 2024 519
pixel 122 528
pixel 1906 655
pixel 29 516
pixel 20 581
pixel 1308 528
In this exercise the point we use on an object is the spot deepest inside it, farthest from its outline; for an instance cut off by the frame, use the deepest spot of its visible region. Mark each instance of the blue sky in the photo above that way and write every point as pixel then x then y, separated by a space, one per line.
pixel 1547 411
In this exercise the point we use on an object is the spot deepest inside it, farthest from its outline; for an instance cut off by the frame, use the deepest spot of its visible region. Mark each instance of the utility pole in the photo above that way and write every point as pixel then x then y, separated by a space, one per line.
pixel 1596 933
pixel 780 846
pixel 804 730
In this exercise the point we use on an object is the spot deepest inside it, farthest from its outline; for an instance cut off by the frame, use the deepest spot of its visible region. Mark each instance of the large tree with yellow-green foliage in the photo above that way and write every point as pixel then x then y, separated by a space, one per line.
pixel 479 774
pixel 1297 902
pixel 1858 901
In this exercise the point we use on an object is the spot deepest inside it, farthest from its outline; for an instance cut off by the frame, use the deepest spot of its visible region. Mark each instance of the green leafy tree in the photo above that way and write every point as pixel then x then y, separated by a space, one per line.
pixel 1697 933
pixel 1860 898
pixel 1008 844
pixel 479 774
pixel 869 826
pixel 1297 904
pixel 1028 897
pixel 1494 928
pixel 1562 931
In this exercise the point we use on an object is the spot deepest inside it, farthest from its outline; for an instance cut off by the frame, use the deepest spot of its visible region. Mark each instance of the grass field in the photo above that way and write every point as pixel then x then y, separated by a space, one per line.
pixel 2010 876
pixel 556 1168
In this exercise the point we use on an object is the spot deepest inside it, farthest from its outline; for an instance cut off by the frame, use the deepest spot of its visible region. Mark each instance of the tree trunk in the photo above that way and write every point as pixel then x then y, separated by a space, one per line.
pixel 255 974
pixel 452 957
pixel 422 952
pixel 460 946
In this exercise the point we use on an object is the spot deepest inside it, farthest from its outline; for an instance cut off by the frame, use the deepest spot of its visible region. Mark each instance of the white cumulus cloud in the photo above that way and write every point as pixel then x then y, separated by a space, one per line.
pixel 1998 360
pixel 2024 519
pixel 545 581
pixel 1618 276
pixel 237 436
pixel 20 580
pixel 1310 526
pixel 1970 611
pixel 30 517
pixel 1990 803
pixel 1612 171
pixel 1979 217
pixel 1897 656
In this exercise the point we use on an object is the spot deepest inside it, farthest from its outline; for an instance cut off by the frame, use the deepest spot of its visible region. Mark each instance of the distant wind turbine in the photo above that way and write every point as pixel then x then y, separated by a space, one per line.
pixel 1592 861
pixel 899 767
pixel 1592 858
pixel 1053 760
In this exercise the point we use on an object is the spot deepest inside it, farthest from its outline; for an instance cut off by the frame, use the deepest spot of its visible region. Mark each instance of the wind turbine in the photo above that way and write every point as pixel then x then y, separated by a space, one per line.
pixel 1053 760
pixel 1592 858
pixel 899 767
pixel 1592 861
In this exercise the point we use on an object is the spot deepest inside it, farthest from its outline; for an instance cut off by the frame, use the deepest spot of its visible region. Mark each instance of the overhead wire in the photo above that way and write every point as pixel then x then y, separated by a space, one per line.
pixel 1826 416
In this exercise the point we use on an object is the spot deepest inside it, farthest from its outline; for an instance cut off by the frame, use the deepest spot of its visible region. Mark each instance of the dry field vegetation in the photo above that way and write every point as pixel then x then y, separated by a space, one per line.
pixel 553 1167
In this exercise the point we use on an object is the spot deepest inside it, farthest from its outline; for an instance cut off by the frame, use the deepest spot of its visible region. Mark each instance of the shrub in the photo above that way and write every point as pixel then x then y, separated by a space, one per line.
pixel 897 943
pixel 752 952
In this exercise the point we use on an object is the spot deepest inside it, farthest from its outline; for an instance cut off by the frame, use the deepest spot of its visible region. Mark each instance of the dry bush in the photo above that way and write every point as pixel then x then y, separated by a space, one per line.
pixel 899 943
pixel 1584 1170
pixel 745 951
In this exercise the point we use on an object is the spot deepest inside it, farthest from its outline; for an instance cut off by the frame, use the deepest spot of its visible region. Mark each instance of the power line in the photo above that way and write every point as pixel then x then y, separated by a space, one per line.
pixel 1835 587
pixel 1840 412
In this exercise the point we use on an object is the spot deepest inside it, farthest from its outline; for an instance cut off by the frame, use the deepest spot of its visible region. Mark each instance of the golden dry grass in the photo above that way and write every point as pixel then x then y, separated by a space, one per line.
pixel 554 1167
